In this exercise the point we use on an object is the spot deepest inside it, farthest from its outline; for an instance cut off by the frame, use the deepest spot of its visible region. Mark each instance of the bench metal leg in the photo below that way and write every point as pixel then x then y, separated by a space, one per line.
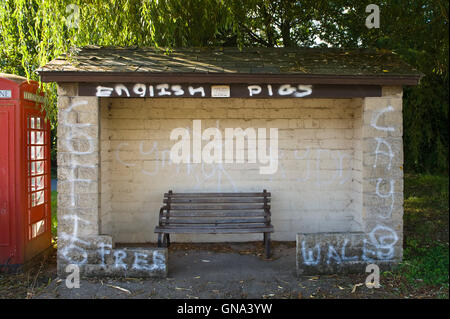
pixel 166 240
pixel 267 244
pixel 160 240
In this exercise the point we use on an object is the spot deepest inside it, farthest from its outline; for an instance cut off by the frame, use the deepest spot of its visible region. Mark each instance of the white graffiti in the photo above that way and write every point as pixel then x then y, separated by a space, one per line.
pixel 140 90
pixel 283 90
pixel 338 172
pixel 256 145
pixel 121 88
pixel 177 90
pixel 141 263
pixel 379 243
pixel 374 120
pixel 332 254
pixel 383 239
pixel 308 255
pixel 193 91
pixel 102 252
pixel 202 172
pixel 76 133
pixel 343 252
pixel 119 256
pixel 390 194
pixel 76 250
pixel 74 242
pixel 389 153
pixel 140 260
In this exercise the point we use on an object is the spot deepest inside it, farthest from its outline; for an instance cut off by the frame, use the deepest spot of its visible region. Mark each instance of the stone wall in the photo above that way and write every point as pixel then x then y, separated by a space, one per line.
pixel 378 184
pixel 312 190
pixel 338 189
pixel 79 191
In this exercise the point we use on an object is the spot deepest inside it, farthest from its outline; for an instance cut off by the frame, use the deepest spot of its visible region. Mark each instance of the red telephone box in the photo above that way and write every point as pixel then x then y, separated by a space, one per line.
pixel 25 185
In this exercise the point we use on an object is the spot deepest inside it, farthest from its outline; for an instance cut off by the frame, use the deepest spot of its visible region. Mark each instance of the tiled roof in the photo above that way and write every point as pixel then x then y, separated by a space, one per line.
pixel 270 61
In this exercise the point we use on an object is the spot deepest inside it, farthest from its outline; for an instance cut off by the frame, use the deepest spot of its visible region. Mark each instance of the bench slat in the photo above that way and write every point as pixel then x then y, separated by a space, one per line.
pixel 217 206
pixel 228 226
pixel 217 213
pixel 171 221
pixel 214 230
pixel 215 200
pixel 215 195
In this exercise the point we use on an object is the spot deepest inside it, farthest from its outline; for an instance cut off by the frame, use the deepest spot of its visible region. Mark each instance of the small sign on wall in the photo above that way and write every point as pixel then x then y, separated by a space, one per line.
pixel 5 94
pixel 220 91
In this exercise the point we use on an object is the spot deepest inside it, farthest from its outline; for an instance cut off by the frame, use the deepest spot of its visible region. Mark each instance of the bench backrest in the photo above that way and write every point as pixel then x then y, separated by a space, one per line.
pixel 216 209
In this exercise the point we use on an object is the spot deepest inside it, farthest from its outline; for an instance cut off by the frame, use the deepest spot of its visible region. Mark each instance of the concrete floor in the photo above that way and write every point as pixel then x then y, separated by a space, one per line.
pixel 221 271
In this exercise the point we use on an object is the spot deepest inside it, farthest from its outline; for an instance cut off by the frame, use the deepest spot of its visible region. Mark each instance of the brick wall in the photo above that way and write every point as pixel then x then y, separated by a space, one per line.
pixel 317 187
pixel 377 191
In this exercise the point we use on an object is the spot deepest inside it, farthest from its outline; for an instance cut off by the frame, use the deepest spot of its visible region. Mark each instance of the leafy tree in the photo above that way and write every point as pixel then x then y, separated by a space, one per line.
pixel 36 31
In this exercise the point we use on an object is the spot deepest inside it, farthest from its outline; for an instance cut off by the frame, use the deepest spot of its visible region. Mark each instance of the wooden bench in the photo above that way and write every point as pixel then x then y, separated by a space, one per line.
pixel 214 213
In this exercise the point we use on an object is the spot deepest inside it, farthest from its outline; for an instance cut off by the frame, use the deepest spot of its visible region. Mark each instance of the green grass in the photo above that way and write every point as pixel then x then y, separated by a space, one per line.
pixel 429 264
pixel 54 213
pixel 426 237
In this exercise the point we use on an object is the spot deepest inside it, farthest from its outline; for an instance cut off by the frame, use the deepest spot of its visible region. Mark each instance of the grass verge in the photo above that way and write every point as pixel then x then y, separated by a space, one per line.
pixel 425 265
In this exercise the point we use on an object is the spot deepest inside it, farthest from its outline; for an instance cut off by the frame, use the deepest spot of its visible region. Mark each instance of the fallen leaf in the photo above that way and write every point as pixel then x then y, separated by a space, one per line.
pixel 180 288
pixel 197 277
pixel 370 285
pixel 313 278
pixel 120 288
pixel 342 288
pixel 356 286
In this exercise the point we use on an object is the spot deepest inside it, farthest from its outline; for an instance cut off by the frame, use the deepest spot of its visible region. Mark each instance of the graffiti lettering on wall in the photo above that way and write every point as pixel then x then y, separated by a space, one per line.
pixel 76 133
pixel 308 161
pixel 179 90
pixel 212 151
pixel 379 243
pixel 76 249
pixel 166 90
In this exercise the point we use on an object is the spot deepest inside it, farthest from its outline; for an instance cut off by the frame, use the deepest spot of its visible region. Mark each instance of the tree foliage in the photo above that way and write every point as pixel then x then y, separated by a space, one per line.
pixel 36 31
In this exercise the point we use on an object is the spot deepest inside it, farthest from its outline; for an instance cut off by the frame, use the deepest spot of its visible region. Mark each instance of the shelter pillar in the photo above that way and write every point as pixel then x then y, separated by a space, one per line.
pixel 79 239
pixel 78 162
pixel 382 175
